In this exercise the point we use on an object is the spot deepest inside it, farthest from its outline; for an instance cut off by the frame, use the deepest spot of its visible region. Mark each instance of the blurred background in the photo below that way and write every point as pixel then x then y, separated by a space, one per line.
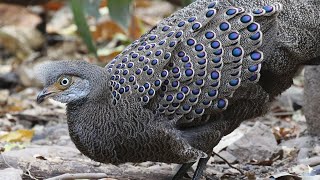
pixel 35 31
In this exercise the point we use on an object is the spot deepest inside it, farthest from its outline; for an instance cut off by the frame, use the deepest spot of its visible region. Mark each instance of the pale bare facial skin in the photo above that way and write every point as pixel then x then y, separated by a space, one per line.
pixel 66 89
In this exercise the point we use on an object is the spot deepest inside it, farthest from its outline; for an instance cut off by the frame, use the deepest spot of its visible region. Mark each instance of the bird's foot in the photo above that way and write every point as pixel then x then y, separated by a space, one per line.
pixel 185 167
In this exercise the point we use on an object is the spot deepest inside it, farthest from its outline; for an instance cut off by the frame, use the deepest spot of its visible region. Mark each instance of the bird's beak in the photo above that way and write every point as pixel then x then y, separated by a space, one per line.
pixel 44 94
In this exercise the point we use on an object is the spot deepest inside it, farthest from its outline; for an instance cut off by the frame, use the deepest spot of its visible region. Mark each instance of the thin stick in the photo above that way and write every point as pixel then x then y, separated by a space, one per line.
pixel 230 165
pixel 5 161
pixel 28 173
pixel 287 113
pixel 80 176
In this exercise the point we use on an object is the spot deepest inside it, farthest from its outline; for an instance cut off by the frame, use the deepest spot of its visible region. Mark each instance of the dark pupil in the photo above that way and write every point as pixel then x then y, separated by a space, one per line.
pixel 64 82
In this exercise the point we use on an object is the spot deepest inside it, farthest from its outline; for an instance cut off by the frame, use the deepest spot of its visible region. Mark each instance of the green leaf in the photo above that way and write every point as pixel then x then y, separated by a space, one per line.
pixel 120 12
pixel 77 7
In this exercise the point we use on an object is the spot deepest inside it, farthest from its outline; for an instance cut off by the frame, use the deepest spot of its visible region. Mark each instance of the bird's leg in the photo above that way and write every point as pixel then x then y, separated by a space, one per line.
pixel 182 171
pixel 200 168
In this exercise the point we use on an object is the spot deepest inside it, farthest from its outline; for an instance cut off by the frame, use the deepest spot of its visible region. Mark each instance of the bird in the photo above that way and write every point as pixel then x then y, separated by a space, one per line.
pixel 172 95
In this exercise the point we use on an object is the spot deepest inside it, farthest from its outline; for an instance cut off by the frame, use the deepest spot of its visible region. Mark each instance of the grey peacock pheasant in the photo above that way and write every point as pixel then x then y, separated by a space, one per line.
pixel 172 94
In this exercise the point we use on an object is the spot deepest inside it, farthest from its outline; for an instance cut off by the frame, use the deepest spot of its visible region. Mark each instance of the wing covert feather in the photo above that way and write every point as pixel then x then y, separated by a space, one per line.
pixel 191 65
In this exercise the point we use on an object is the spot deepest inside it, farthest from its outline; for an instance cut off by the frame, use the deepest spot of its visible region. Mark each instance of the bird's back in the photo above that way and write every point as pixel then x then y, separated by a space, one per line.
pixel 192 62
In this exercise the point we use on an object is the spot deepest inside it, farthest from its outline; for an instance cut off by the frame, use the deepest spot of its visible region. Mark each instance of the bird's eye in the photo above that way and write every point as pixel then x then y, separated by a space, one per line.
pixel 64 82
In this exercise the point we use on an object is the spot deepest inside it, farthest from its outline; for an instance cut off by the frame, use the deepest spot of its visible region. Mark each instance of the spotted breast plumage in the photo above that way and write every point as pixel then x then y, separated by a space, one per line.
pixel 172 95
pixel 188 66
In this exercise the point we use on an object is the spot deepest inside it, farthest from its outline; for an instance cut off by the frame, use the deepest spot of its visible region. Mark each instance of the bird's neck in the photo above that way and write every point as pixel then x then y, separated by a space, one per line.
pixel 91 128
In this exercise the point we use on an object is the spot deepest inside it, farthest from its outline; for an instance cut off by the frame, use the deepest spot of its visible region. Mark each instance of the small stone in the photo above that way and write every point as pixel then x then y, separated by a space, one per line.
pixel 301 142
pixel 4 95
pixel 312 95
pixel 11 174
pixel 231 138
pixel 8 80
pixel 303 153
pixel 227 156
pixel 146 164
pixel 292 98
pixel 258 144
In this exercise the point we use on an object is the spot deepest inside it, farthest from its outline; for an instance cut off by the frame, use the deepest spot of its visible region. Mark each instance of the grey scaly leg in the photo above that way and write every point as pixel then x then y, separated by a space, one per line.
pixel 182 171
pixel 200 168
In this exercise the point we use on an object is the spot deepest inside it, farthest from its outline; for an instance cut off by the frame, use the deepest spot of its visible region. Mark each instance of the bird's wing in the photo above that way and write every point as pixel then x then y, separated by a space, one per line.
pixel 193 61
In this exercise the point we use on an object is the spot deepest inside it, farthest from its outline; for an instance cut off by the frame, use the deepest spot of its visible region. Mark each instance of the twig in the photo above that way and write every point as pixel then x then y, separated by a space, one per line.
pixel 287 113
pixel 5 161
pixel 28 173
pixel 80 176
pixel 230 165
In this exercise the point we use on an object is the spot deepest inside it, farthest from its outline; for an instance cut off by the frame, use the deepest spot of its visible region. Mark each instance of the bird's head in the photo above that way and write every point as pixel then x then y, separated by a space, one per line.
pixel 68 81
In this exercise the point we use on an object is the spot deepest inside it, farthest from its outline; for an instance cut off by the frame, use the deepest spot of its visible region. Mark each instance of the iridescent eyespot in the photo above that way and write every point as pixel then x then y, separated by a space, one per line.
pixel 196 26
pixel 165 28
pixel 215 44
pixel 224 26
pixel 245 19
pixel 212 5
pixel 210 13
pixel 237 52
pixel 199 47
pixel 233 36
pixel 221 103
pixel 268 9
pixel 215 75
pixel 182 23
pixel 192 19
pixel 209 35
pixel 231 12
pixel 181 54
pixel 190 42
pixel 234 82
pixel 252 27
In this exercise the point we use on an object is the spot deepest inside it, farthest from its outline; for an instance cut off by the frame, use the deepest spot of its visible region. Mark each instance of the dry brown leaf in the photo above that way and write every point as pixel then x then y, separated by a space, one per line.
pixel 135 30
pixel 17 16
pixel 281 133
pixel 106 29
pixel 108 58
pixel 54 5
pixel 142 3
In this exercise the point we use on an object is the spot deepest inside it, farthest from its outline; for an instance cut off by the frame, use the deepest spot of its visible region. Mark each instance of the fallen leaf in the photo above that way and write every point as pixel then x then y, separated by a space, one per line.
pixel 54 6
pixel 24 18
pixel 10 146
pixel 21 135
pixel 2 149
pixel 106 29
pixel 37 156
pixel 250 175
